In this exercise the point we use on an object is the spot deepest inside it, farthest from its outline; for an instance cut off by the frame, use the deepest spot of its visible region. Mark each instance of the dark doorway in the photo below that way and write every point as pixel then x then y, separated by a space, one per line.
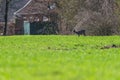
pixel 43 28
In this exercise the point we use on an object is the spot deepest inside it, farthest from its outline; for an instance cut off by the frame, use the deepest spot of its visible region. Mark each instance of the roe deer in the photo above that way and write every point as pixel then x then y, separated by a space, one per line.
pixel 81 32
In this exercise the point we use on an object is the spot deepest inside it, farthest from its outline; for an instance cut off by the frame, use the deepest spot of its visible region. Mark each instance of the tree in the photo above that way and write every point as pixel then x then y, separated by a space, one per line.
pixel 6 16
pixel 97 17
pixel 67 11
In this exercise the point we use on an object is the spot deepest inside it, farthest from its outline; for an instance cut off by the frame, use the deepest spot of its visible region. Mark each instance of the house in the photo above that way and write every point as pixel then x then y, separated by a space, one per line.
pixel 37 17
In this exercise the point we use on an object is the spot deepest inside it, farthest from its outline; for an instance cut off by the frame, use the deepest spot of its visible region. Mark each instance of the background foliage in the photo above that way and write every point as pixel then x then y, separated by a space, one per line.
pixel 97 17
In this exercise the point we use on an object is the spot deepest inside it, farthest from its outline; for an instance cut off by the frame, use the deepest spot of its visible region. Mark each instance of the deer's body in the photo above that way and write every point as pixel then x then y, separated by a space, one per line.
pixel 81 32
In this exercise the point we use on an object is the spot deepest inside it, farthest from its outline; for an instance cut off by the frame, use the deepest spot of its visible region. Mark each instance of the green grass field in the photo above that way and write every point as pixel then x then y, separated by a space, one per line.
pixel 59 58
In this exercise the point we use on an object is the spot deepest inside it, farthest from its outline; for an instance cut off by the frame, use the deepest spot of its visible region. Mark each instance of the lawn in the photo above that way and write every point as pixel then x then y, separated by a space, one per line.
pixel 60 58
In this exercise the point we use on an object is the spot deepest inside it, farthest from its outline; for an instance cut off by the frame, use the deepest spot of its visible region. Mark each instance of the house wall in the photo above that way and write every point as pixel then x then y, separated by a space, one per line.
pixel 19 27
pixel 32 17
pixel 19 22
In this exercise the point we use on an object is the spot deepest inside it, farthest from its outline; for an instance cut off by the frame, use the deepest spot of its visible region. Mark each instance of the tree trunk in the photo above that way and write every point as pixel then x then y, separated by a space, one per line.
pixel 6 17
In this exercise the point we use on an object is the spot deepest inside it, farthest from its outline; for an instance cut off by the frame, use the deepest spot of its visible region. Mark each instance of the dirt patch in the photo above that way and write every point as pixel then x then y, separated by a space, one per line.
pixel 110 46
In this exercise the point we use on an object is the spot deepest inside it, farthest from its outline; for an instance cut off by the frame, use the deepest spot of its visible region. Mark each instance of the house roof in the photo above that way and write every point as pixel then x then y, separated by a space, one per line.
pixel 35 7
